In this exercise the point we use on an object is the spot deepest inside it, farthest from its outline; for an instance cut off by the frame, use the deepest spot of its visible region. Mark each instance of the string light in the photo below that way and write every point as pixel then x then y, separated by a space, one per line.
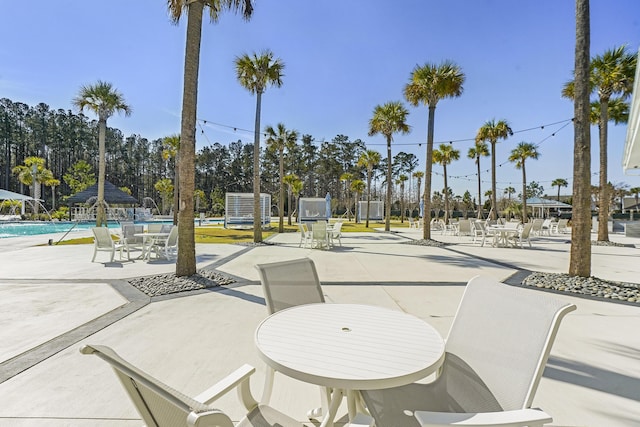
pixel 419 144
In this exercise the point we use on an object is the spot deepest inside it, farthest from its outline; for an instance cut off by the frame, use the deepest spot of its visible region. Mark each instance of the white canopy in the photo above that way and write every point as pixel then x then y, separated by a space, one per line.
pixel 538 202
pixel 10 195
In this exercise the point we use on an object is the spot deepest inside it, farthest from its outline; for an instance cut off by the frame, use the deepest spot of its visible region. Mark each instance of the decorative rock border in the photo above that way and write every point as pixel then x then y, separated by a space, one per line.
pixel 590 286
pixel 164 284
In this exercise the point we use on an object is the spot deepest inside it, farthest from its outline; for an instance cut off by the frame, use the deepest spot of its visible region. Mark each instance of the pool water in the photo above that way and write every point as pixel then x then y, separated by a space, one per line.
pixel 32 228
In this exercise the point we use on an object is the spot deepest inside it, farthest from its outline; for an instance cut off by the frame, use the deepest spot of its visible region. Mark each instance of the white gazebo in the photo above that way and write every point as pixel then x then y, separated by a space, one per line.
pixel 542 204
pixel 10 195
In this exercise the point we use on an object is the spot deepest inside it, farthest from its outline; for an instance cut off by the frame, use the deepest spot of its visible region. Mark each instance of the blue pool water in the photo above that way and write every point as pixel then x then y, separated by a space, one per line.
pixel 32 228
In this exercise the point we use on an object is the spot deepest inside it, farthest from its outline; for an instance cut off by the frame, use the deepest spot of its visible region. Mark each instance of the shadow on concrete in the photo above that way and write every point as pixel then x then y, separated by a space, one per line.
pixel 593 377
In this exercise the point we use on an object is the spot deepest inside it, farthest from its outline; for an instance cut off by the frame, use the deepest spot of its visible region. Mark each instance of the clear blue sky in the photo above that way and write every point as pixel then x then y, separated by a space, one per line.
pixel 342 58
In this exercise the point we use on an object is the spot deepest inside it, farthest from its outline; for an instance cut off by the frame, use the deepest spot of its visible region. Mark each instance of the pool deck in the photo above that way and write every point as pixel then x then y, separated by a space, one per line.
pixel 54 300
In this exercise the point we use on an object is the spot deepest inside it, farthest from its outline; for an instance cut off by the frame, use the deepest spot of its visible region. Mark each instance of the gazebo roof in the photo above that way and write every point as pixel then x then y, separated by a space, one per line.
pixel 539 202
pixel 10 195
pixel 112 195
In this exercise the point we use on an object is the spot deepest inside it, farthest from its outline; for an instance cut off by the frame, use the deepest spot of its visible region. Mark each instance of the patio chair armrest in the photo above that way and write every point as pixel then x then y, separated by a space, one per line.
pixel 238 379
pixel 517 418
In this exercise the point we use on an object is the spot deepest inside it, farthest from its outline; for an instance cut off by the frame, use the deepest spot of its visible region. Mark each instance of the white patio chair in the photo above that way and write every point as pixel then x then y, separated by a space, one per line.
pixel 336 232
pixel 560 226
pixel 537 226
pixel 319 235
pixel 524 234
pixel 480 232
pixel 102 241
pixel 168 247
pixel 287 284
pixel 305 235
pixel 131 241
pixel 496 351
pixel 464 227
pixel 161 406
pixel 547 224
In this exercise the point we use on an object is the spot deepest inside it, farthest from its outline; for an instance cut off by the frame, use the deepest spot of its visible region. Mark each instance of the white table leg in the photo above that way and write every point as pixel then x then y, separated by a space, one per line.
pixel 336 399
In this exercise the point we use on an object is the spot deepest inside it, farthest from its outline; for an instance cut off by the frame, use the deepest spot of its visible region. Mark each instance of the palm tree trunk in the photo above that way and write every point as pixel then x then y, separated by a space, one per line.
pixel 257 220
pixel 176 190
pixel 426 232
pixel 289 208
pixel 281 198
pixel 580 257
pixel 524 194
pixel 101 217
pixel 368 196
pixel 479 189
pixel 446 195
pixel 494 196
pixel 603 213
pixel 387 224
pixel 186 263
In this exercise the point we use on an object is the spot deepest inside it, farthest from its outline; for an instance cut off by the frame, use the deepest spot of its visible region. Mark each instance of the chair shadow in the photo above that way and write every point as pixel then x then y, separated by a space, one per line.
pixel 593 377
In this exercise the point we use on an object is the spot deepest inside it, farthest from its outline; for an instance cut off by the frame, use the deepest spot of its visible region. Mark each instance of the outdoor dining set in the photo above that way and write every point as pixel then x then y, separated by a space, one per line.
pixel 158 240
pixel 320 234
pixel 392 368
pixel 502 232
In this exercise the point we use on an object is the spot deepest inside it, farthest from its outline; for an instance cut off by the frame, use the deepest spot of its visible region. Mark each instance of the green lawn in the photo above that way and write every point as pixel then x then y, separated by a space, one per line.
pixel 219 234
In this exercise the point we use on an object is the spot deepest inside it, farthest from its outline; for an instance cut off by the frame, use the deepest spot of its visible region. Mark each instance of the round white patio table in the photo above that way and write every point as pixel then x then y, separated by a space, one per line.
pixel 349 347
pixel 501 235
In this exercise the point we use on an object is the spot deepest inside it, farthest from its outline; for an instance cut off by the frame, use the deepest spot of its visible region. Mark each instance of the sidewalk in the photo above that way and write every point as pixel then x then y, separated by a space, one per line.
pixel 592 379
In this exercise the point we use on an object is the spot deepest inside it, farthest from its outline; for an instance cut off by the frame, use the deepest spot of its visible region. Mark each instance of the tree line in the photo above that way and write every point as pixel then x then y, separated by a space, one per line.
pixel 67 141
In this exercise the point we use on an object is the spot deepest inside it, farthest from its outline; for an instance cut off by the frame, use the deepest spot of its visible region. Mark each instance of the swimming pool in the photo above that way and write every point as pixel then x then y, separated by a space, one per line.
pixel 32 228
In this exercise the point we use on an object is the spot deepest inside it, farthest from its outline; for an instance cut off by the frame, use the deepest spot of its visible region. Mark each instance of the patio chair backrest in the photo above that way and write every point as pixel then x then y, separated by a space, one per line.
pixel 503 334
pixel 102 237
pixel 464 226
pixel 512 224
pixel 526 231
pixel 172 240
pixel 129 232
pixel 289 283
pixel 158 404
pixel 155 227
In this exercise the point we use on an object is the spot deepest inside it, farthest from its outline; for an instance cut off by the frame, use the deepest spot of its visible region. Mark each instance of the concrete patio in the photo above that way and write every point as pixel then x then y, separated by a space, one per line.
pixel 53 299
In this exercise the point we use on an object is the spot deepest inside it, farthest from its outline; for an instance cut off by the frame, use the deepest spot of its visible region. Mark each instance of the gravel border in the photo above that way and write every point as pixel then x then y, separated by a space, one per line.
pixel 163 284
pixel 589 286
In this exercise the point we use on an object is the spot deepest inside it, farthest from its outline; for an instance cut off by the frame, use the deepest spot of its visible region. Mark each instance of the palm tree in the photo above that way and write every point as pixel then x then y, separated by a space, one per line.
pixel 492 131
pixel 186 263
pixel 444 155
pixel 611 73
pixel 388 119
pixel 280 140
pixel 171 149
pixel 33 172
pixel 636 192
pixel 103 100
pixel 401 180
pixel 428 85
pixel 509 191
pixel 347 177
pixel 255 73
pixel 290 181
pixel 559 182
pixel 418 175
pixel 522 152
pixel 478 150
pixel 369 159
pixel 357 186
